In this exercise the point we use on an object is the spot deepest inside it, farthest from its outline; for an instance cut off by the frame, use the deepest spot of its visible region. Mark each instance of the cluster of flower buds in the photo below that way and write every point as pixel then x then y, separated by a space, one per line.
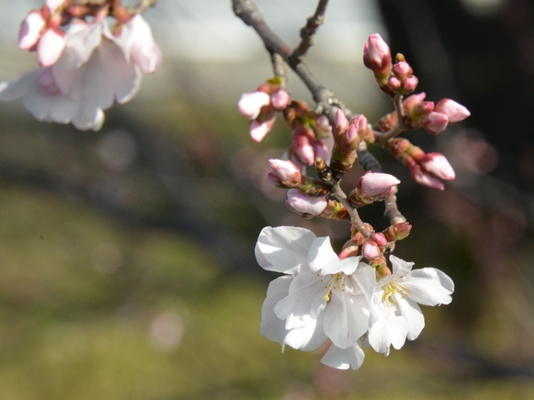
pixel 86 66
pixel 392 78
pixel 347 137
pixel 260 106
pixel 434 118
pixel 402 80
pixel 426 169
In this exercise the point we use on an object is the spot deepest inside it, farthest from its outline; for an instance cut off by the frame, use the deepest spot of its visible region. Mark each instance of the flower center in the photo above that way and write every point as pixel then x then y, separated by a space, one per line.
pixel 46 84
pixel 391 289
pixel 336 281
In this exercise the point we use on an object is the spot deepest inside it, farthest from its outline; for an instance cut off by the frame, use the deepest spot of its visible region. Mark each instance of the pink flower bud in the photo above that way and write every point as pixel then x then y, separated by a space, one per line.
pixel 321 150
pixel 286 171
pixel 280 99
pixel 361 122
pixel 413 101
pixel 376 184
pixel 370 250
pixel 323 124
pixel 376 52
pixel 425 179
pixel 30 30
pixel 306 206
pixel 435 122
pixel 350 135
pixel 402 70
pixel 340 121
pixel 453 110
pixel 303 148
pixel 50 47
pixel 258 129
pixel 437 165
pixel 250 104
pixel 410 84
pixel 379 238
pixel 394 83
pixel 424 108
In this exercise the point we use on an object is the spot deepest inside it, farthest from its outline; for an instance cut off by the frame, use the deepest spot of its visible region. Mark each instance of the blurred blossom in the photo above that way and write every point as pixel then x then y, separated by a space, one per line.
pixel 166 331
pixel 509 223
pixel 483 8
pixel 472 153
pixel 117 149
pixel 107 258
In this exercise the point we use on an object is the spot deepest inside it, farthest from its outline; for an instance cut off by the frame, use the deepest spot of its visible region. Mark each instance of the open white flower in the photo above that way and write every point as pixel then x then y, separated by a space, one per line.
pixel 322 297
pixel 395 313
pixel 95 69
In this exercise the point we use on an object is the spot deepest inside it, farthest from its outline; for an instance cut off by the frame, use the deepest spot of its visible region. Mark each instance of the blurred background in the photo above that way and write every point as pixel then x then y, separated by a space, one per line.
pixel 126 255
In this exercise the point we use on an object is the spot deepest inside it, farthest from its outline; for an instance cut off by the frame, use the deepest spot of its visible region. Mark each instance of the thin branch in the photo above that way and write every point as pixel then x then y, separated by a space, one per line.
pixel 392 211
pixel 279 68
pixel 142 6
pixel 324 97
pixel 355 219
pixel 399 127
pixel 307 33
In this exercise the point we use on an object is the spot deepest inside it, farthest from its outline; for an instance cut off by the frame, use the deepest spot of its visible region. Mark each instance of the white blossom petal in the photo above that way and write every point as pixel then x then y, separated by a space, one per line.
pixel 309 337
pixel 400 267
pixel 285 248
pixel 346 318
pixel 322 257
pixel 271 326
pixel 16 89
pixel 304 301
pixel 411 312
pixel 389 329
pixel 344 358
pixel 429 286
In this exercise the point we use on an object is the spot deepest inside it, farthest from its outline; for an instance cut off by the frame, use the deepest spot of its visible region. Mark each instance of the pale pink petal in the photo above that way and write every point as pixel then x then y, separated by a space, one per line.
pixel 309 337
pixel 258 129
pixel 429 286
pixel 50 47
pixel 400 267
pixel 16 89
pixel 322 258
pixel 30 30
pixel 82 40
pixel 307 206
pixel 250 104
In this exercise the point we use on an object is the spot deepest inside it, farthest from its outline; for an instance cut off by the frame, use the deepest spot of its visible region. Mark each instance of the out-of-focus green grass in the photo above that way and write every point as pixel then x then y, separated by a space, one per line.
pixel 80 297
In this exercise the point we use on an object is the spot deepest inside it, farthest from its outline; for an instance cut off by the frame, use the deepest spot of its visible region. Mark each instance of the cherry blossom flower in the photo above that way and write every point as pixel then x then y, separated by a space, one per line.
pixel 395 313
pixel 95 69
pixel 321 297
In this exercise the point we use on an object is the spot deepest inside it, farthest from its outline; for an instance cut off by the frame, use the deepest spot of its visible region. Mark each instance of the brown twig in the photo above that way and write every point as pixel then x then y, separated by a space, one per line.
pixel 355 219
pixel 383 137
pixel 279 68
pixel 324 97
pixel 307 33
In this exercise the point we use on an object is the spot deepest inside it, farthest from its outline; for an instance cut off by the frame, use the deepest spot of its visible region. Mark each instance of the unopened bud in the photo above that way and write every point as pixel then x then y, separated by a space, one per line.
pixel 303 148
pixel 286 171
pixel 320 150
pixel 378 263
pixel 454 111
pixel 424 178
pixel 340 123
pixel 280 99
pixel 376 53
pixel 435 122
pixel 350 249
pixel 410 85
pixel 438 165
pixel 402 70
pixel 376 184
pixel 323 124
pixel 379 238
pixel 305 206
pixel 412 101
pixel 250 104
pixel 370 250
pixel 394 83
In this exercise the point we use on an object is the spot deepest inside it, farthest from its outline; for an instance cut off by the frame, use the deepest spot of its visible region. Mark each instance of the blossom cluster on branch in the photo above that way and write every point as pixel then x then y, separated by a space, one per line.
pixel 343 301
pixel 85 64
